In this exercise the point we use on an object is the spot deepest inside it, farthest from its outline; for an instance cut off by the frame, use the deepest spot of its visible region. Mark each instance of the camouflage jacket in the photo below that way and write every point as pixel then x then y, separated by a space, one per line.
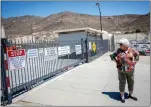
pixel 124 62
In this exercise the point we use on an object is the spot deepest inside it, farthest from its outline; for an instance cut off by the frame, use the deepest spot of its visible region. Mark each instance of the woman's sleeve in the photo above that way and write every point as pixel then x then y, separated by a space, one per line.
pixel 121 57
pixel 114 55
pixel 136 54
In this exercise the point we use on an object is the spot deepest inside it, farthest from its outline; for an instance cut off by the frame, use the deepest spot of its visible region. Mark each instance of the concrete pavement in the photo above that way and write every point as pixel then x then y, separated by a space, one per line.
pixel 91 84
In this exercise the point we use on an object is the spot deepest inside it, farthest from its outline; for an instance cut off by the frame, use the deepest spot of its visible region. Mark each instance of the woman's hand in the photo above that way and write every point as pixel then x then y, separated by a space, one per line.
pixel 130 55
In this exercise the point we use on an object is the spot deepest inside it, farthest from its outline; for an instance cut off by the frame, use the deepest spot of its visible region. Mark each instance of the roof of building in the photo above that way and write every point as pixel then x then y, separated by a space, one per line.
pixel 86 29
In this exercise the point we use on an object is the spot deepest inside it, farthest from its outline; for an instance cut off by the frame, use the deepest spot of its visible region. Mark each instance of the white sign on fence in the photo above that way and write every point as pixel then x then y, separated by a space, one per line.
pixel 16 59
pixel 51 53
pixel 40 50
pixel 32 53
pixel 90 46
pixel 64 50
pixel 78 49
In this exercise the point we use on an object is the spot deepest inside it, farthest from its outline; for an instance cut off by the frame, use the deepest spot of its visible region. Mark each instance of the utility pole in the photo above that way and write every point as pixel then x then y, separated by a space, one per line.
pixel 97 4
pixel 136 40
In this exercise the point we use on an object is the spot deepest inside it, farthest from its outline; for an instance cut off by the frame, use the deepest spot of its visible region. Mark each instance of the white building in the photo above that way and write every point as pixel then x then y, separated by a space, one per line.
pixel 2 32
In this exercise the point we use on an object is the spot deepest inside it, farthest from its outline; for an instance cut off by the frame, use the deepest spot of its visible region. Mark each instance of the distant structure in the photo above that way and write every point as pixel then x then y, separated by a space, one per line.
pixel 87 33
pixel 66 35
pixel 35 37
pixel 2 32
pixel 81 33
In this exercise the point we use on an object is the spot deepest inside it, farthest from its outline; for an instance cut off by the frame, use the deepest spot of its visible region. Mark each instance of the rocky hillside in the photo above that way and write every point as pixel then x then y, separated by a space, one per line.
pixel 25 25
pixel 19 25
pixel 132 22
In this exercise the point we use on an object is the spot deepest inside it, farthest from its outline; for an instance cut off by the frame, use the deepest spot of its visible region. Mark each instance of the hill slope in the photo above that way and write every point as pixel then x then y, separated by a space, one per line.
pixel 67 20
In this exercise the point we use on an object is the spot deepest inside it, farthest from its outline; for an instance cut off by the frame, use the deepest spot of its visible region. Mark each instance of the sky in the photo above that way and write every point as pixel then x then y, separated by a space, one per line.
pixel 46 8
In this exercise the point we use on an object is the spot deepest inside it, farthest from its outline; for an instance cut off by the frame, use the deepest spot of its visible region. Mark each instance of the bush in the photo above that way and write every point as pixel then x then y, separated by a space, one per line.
pixel 141 53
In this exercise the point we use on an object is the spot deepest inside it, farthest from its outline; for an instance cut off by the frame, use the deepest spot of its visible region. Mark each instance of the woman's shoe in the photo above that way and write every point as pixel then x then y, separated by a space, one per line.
pixel 132 97
pixel 122 100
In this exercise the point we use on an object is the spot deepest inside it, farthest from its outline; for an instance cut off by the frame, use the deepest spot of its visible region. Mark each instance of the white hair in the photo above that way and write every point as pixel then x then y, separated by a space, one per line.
pixel 124 42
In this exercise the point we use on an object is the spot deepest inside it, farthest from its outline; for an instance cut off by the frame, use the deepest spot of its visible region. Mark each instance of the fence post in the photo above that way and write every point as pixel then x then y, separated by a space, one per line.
pixel 113 42
pixel 5 70
pixel 87 50
pixel 3 76
pixel 82 45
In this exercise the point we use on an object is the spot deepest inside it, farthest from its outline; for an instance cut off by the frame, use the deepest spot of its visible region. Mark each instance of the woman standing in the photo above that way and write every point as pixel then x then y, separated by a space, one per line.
pixel 126 58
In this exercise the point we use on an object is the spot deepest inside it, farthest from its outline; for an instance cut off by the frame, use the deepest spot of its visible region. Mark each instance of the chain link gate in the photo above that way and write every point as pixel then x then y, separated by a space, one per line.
pixel 96 48
pixel 40 67
pixel 63 55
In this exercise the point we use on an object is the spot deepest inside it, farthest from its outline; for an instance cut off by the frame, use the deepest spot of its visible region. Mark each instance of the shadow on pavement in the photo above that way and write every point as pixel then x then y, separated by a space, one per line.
pixel 115 95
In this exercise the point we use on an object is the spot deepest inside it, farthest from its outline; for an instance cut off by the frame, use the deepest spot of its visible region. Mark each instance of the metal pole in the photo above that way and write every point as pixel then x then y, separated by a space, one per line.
pixel 97 4
pixel 100 15
pixel 5 44
pixel 136 41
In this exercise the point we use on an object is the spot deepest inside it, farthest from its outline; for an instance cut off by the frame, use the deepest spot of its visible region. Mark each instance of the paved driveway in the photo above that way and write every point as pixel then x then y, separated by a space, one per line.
pixel 92 84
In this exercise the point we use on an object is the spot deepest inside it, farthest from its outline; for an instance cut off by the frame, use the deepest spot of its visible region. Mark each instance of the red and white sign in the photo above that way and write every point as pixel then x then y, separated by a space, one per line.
pixel 16 59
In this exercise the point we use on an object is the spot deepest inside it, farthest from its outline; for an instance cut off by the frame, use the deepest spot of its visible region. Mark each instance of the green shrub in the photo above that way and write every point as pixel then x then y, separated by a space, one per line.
pixel 141 52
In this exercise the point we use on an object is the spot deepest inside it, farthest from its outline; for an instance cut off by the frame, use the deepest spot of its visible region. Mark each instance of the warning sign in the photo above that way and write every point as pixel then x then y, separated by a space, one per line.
pixel 40 50
pixel 16 59
pixel 32 53
pixel 94 47
pixel 64 50
pixel 90 46
pixel 51 53
pixel 78 49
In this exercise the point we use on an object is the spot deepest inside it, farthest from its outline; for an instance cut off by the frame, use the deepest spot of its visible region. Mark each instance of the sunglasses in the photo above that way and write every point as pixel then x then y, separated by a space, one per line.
pixel 121 44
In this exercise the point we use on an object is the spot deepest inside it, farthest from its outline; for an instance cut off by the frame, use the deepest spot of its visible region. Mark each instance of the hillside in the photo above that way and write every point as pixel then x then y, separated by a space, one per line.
pixel 67 20
pixel 19 25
